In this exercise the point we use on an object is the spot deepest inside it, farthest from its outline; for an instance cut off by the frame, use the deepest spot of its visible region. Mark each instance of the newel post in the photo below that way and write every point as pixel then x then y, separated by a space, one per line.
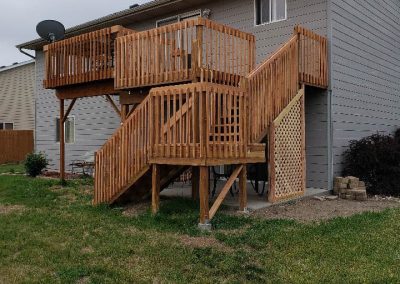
pixel 197 53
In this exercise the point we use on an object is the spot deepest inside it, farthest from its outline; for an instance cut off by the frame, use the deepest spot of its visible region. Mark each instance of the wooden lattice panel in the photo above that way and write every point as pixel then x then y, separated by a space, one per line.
pixel 287 152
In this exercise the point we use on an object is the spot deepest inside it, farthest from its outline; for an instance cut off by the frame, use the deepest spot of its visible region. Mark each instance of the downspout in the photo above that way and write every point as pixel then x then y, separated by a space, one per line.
pixel 35 111
pixel 330 93
pixel 26 53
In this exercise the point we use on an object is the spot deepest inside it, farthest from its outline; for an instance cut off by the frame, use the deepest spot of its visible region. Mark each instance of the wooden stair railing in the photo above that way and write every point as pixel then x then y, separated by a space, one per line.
pixel 124 157
pixel 275 82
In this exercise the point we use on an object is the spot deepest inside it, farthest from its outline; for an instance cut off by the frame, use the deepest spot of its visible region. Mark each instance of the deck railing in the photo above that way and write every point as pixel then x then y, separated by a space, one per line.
pixel 199 121
pixel 80 59
pixel 313 64
pixel 124 157
pixel 192 49
pixel 275 82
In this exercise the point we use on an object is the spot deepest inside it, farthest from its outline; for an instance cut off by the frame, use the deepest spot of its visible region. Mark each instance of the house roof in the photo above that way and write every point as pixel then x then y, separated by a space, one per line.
pixel 16 65
pixel 128 16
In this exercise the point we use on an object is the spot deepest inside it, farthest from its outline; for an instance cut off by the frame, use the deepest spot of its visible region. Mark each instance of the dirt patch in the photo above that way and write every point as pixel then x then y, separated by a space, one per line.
pixel 8 209
pixel 311 210
pixel 87 250
pixel 137 209
pixel 202 242
pixel 83 280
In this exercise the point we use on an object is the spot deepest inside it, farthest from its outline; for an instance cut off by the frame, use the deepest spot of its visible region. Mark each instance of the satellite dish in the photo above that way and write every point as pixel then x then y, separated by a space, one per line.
pixel 50 30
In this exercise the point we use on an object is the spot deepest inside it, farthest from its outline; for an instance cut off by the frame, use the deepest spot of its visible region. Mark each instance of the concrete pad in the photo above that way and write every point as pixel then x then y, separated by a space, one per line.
pixel 254 200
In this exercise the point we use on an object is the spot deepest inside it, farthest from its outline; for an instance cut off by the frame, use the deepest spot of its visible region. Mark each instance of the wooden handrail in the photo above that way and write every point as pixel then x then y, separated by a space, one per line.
pixel 124 157
pixel 276 81
pixel 214 127
pixel 313 52
pixel 83 58
pixel 192 50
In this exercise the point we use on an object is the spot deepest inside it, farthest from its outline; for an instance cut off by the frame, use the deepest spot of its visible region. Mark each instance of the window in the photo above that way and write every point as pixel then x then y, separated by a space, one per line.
pixel 268 11
pixel 6 126
pixel 69 130
pixel 178 18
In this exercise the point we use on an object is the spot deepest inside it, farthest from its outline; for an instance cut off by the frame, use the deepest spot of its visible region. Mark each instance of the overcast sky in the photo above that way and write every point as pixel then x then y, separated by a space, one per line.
pixel 19 18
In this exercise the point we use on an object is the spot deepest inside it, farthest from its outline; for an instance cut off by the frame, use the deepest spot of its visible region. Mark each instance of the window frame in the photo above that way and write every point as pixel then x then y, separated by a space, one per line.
pixel 58 126
pixel 256 16
pixel 3 124
pixel 180 17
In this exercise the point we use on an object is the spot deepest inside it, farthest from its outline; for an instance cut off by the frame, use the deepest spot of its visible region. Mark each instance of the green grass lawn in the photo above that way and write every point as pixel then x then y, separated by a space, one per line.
pixel 12 168
pixel 50 234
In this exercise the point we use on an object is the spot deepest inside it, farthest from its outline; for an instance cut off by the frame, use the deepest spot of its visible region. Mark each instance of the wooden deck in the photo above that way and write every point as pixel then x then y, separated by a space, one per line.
pixel 197 50
pixel 81 59
pixel 199 101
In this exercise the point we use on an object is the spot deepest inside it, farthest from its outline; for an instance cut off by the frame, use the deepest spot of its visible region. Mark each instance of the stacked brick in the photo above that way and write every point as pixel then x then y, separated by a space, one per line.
pixel 350 188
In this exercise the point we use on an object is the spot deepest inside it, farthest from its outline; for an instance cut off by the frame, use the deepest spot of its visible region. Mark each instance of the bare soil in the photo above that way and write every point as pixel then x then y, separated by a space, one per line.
pixel 7 209
pixel 202 242
pixel 312 210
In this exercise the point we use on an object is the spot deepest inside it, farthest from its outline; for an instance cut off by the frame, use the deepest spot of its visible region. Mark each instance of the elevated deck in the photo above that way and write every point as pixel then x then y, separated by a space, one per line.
pixel 198 101
pixel 196 50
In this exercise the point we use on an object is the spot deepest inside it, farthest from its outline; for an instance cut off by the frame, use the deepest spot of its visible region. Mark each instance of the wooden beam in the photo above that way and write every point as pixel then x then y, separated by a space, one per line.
pixel 114 106
pixel 203 194
pixel 71 105
pixel 124 112
pixel 243 189
pixel 133 98
pixel 225 191
pixel 195 182
pixel 92 89
pixel 62 142
pixel 155 189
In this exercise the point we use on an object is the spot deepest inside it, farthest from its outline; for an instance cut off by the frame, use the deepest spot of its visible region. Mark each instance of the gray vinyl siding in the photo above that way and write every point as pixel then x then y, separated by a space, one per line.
pixel 91 133
pixel 316 105
pixel 366 71
pixel 95 122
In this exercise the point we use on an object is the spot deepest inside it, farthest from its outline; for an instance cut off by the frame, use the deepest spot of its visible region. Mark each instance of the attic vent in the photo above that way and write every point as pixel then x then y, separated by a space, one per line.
pixel 134 6
pixel 15 63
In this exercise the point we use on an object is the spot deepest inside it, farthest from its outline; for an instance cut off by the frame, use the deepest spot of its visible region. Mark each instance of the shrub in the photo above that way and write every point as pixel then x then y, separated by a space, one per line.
pixel 375 160
pixel 35 164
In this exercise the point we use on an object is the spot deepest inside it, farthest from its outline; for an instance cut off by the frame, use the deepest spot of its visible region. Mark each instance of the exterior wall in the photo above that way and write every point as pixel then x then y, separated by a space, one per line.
pixel 92 133
pixel 17 90
pixel 366 71
pixel 95 122
pixel 316 106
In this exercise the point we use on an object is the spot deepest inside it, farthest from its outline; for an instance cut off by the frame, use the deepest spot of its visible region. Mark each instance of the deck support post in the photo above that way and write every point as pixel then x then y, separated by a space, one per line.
pixel 124 112
pixel 243 190
pixel 195 182
pixel 155 189
pixel 204 199
pixel 62 141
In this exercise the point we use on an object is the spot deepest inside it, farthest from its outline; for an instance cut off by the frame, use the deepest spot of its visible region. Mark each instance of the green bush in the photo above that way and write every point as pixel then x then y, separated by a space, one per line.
pixel 35 164
pixel 375 160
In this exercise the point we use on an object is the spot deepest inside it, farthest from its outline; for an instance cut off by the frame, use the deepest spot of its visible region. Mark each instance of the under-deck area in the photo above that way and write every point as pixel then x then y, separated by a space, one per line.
pixel 190 97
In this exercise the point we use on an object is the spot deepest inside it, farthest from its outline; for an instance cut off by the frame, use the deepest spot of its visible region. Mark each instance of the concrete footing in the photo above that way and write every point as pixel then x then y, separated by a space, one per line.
pixel 206 226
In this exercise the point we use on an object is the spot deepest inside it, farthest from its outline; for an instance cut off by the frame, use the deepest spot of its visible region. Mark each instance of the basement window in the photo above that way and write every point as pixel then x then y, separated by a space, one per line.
pixel 6 126
pixel 69 130
pixel 269 11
